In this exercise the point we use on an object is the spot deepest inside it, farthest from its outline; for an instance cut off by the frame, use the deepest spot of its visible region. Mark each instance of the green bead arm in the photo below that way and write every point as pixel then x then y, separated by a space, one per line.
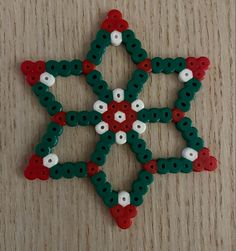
pixel 153 115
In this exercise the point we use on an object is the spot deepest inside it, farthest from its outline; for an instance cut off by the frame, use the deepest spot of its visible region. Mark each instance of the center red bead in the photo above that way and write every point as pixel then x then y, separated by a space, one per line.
pixel 119 116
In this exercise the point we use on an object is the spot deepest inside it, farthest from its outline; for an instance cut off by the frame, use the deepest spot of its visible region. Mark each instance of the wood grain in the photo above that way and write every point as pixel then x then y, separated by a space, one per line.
pixel 187 212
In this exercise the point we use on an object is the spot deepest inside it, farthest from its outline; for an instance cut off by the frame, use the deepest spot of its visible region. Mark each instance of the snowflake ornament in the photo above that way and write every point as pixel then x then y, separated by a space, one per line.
pixel 118 116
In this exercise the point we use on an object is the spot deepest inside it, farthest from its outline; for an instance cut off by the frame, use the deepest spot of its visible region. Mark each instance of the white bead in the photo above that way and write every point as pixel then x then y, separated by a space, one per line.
pixel 185 75
pixel 101 127
pixel 47 79
pixel 121 138
pixel 190 154
pixel 137 105
pixel 50 160
pixel 123 198
pixel 139 126
pixel 100 106
pixel 119 116
pixel 116 38
pixel 118 95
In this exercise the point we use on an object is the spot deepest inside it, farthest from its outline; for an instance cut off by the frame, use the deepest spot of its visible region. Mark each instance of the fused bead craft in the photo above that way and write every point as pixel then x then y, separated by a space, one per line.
pixel 118 116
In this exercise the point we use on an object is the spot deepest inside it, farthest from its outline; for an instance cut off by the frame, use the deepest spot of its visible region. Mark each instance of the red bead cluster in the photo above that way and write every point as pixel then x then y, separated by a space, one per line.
pixel 204 161
pixel 123 215
pixel 32 71
pixel 124 107
pixel 198 66
pixel 151 166
pixel 36 169
pixel 114 21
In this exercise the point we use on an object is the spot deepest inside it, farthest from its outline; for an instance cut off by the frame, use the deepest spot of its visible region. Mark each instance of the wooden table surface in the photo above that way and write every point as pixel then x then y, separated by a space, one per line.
pixel 186 212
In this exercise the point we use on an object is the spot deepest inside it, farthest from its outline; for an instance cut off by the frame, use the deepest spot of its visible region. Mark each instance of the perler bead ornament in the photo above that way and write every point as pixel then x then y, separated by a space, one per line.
pixel 118 116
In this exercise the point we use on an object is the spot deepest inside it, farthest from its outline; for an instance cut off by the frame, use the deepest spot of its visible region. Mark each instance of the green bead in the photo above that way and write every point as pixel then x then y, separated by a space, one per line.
pixel 174 165
pixel 104 189
pixel 133 86
pixel 108 137
pixel 94 117
pixel 97 45
pixel 132 137
pixel 64 68
pixel 50 140
pixel 168 65
pixel 180 64
pixel 130 96
pixel 56 172
pixel 143 115
pixel 80 169
pixel 138 146
pixel 127 36
pixel 184 124
pixel 83 118
pixel 98 179
pixel 162 166
pixel 183 105
pixel 146 177
pixel 103 37
pixel 136 199
pixel 196 143
pixel 39 88
pixel 72 118
pixel 93 77
pixel 154 115
pixel 144 156
pixel 165 115
pixel 52 67
pixel 55 129
pixel 157 65
pixel 68 170
pixel 100 87
pixel 139 55
pixel 106 96
pixel 76 67
pixel 186 165
pixel 186 94
pixel 42 150
pixel 133 45
pixel 194 85
pixel 103 147
pixel 111 199
pixel 94 56
pixel 140 76
pixel 98 158
pixel 190 134
pixel 140 187
pixel 54 108
pixel 46 98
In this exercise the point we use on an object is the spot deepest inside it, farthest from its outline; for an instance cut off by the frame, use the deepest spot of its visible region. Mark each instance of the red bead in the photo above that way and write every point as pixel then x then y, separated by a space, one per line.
pixel 192 63
pixel 130 211
pixel 123 222
pixel 204 63
pixel 198 165
pixel 40 67
pixel 114 126
pixel 177 115
pixel 87 67
pixel 59 118
pixel 117 211
pixel 199 74
pixel 35 161
pixel 108 116
pixel 145 65
pixel 109 25
pixel 126 126
pixel 131 116
pixel 30 173
pixel 32 78
pixel 43 173
pixel 211 164
pixel 151 166
pixel 92 169
pixel 124 106
pixel 27 67
pixel 204 153
pixel 113 106
pixel 121 25
pixel 114 14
